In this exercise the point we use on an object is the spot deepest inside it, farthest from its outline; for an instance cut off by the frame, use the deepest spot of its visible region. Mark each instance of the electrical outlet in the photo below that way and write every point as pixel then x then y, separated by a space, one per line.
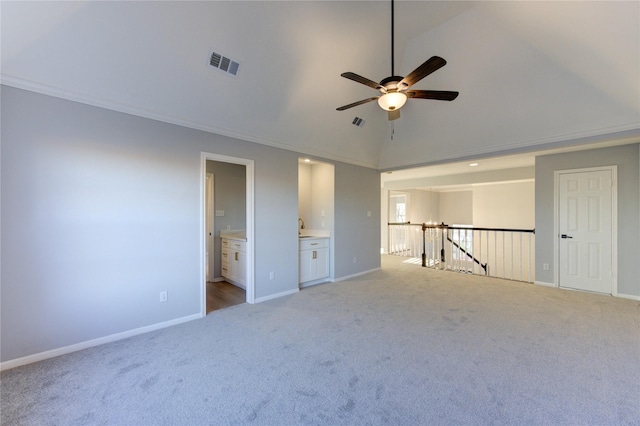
pixel 354 259
pixel 163 296
pixel 545 266
pixel 272 275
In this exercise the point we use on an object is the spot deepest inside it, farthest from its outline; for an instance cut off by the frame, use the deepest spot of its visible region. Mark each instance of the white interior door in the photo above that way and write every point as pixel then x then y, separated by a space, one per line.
pixel 585 225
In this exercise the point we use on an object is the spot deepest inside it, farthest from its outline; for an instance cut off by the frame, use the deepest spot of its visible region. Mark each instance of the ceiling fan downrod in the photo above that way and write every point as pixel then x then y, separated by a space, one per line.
pixel 392 37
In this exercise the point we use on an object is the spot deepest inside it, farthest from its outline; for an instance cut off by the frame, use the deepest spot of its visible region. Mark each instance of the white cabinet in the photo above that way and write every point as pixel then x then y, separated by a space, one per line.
pixel 234 261
pixel 313 259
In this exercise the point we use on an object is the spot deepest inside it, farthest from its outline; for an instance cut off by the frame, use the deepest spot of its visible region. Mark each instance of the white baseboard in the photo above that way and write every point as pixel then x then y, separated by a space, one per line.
pixel 545 284
pixel 275 296
pixel 6 365
pixel 620 295
pixel 348 277
pixel 314 282
pixel 628 296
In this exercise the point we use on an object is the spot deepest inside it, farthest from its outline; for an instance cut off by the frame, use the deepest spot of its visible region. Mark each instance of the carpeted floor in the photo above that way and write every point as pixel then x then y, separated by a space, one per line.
pixel 402 346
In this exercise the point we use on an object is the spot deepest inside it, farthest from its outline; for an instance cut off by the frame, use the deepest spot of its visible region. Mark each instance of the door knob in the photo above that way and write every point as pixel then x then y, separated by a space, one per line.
pixel 565 236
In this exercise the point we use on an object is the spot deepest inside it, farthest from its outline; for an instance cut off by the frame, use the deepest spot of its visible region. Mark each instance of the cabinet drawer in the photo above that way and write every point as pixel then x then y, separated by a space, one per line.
pixel 237 245
pixel 225 243
pixel 311 244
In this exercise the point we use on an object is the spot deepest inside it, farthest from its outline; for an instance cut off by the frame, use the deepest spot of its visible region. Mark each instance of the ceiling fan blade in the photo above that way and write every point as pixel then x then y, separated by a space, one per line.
pixel 364 101
pixel 362 80
pixel 430 65
pixel 394 114
pixel 440 95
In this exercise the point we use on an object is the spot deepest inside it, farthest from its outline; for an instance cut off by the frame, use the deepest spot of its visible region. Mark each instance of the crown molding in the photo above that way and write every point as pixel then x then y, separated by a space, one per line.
pixel 20 83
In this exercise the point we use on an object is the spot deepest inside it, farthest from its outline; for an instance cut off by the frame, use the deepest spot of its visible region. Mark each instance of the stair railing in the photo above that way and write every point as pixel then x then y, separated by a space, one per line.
pixel 495 252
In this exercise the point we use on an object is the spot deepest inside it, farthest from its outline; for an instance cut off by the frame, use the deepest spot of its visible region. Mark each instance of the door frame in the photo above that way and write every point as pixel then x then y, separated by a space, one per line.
pixel 614 221
pixel 249 223
pixel 210 224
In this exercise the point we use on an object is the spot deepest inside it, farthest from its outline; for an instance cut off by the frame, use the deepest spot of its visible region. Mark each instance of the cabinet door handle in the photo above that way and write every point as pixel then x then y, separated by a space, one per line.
pixel 314 244
pixel 315 255
pixel 236 255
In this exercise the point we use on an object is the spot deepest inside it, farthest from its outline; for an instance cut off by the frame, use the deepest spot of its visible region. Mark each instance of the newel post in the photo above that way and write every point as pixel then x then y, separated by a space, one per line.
pixel 424 246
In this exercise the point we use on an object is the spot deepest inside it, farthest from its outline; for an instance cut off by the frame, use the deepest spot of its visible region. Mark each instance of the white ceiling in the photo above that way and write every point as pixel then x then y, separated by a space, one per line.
pixel 530 74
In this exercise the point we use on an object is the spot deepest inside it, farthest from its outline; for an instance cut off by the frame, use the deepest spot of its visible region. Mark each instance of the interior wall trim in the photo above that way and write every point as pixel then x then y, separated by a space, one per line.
pixel 628 296
pixel 29 359
pixel 545 284
pixel 44 89
pixel 348 277
pixel 277 295
pixel 603 134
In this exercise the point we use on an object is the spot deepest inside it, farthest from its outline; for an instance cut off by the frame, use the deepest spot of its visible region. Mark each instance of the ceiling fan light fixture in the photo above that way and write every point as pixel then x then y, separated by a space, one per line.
pixel 392 101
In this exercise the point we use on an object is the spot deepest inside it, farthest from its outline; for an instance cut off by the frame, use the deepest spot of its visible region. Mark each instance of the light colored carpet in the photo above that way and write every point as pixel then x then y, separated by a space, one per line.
pixel 403 346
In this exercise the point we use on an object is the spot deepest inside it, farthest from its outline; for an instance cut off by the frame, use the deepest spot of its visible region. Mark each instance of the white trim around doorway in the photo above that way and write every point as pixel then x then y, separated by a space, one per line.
pixel 249 167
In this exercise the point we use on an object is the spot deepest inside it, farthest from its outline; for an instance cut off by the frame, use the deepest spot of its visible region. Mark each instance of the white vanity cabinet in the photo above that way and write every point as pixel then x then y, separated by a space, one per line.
pixel 234 261
pixel 313 260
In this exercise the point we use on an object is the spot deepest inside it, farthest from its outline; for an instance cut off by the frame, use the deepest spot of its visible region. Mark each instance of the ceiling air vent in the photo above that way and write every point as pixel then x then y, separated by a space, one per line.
pixel 224 64
pixel 358 122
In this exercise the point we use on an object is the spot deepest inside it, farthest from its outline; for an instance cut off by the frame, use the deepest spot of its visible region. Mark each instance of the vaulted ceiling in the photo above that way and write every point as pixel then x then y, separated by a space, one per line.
pixel 530 74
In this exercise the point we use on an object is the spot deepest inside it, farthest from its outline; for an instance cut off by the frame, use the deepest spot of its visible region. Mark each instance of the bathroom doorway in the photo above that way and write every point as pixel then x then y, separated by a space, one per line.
pixel 227 214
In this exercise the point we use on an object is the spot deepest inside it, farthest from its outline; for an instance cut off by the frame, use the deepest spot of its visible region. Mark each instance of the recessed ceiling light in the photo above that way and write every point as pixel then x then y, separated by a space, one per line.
pixel 306 160
pixel 473 164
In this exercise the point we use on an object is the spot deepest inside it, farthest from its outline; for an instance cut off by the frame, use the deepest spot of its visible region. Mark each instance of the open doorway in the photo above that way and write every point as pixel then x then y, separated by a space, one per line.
pixel 227 229
pixel 316 217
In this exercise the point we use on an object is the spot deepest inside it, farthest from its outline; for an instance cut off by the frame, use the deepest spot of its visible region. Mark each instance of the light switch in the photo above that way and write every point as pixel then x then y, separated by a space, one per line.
pixel 219 212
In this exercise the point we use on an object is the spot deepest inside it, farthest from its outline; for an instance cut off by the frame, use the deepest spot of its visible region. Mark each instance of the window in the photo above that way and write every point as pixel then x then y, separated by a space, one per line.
pixel 462 242
pixel 398 207
pixel 401 212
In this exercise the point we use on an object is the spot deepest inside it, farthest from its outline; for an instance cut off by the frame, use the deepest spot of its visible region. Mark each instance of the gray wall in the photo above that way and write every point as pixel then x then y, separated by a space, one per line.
pixel 101 212
pixel 357 191
pixel 456 208
pixel 423 206
pixel 626 158
pixel 229 195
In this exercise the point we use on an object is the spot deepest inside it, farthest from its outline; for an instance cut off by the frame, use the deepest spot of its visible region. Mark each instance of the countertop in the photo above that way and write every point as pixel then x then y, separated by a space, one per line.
pixel 233 234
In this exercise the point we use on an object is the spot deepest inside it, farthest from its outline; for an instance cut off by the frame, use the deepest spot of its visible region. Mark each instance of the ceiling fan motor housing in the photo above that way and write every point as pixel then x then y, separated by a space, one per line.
pixel 390 84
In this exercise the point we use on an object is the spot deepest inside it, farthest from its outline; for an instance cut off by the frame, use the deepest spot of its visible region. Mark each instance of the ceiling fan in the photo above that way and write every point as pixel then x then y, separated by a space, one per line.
pixel 394 90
